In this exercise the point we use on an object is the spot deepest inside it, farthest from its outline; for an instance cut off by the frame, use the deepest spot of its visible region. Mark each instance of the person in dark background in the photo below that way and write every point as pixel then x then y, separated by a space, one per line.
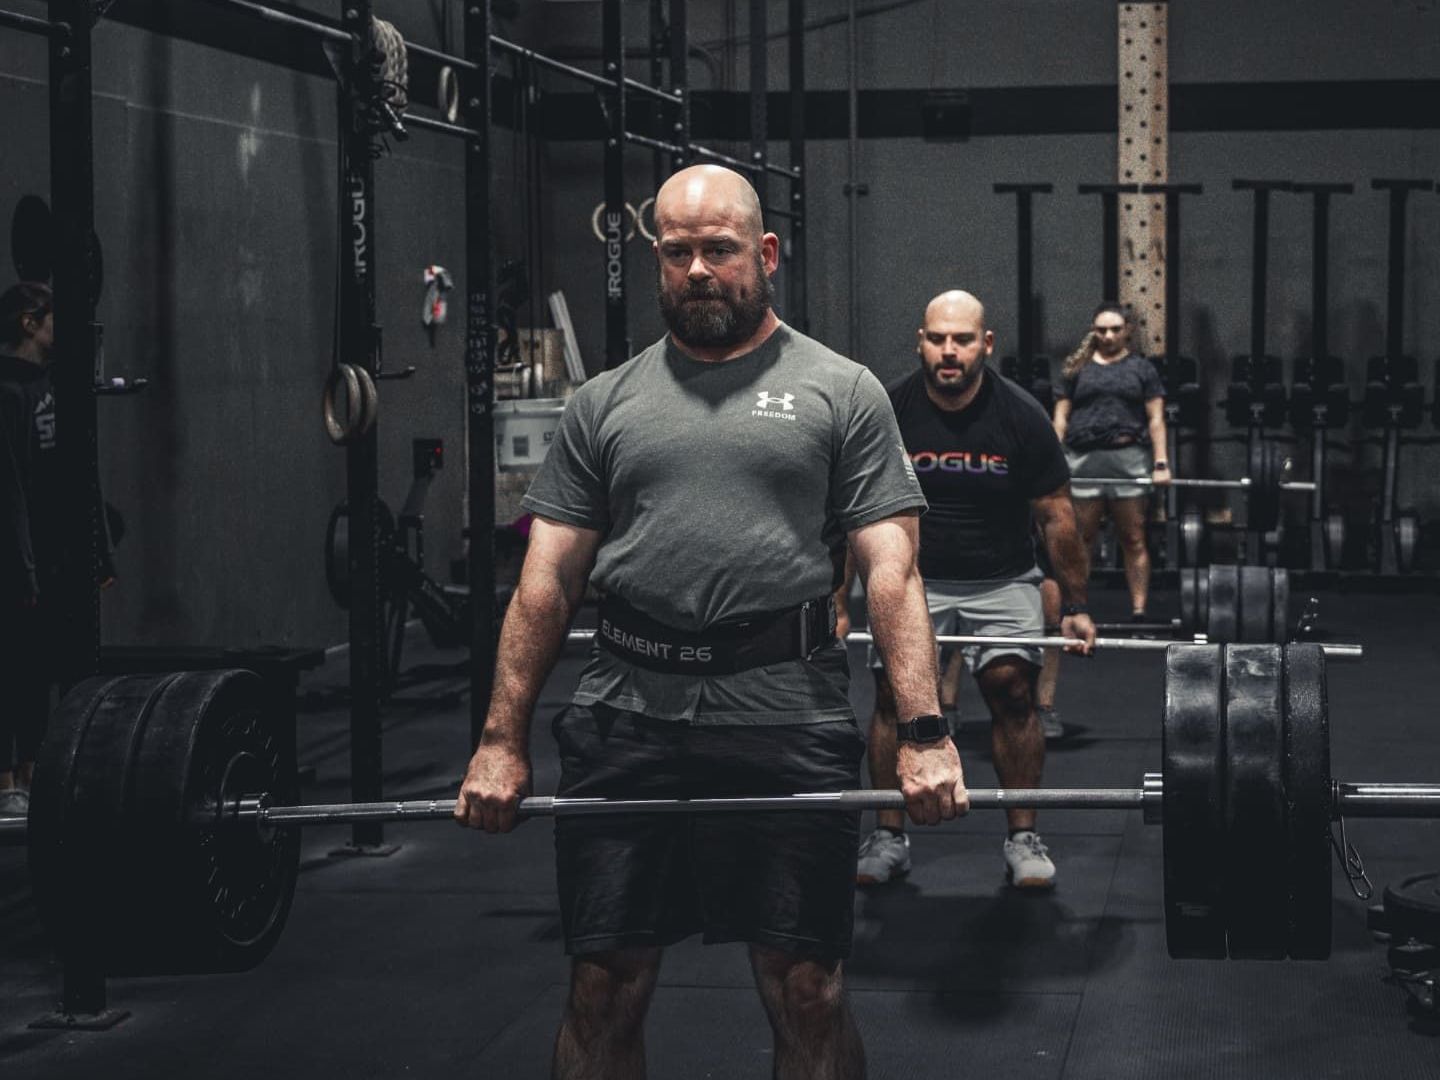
pixel 1110 415
pixel 27 547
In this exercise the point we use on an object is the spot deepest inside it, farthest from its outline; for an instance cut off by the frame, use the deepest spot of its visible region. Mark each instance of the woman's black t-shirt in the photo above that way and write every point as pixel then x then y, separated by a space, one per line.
pixel 1107 402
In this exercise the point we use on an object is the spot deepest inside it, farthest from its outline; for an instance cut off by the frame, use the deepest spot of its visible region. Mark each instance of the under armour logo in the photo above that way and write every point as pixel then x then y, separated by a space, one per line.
pixel 784 402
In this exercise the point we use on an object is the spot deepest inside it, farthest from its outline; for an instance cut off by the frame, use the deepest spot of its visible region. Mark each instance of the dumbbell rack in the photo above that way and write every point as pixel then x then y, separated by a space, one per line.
pixel 1256 398
pixel 1397 530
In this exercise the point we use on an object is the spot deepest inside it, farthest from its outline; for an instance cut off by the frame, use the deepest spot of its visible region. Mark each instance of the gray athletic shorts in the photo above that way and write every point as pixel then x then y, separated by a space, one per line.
pixel 1009 608
pixel 1132 460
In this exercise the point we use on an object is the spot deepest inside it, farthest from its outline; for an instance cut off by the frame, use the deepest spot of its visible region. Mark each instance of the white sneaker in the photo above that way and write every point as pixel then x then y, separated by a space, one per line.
pixel 1050 723
pixel 1027 862
pixel 883 857
pixel 14 802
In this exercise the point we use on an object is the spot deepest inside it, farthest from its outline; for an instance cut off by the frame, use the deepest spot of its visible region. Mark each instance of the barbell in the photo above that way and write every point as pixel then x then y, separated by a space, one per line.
pixel 162 830
pixel 1243 484
pixel 1268 472
pixel 1333 650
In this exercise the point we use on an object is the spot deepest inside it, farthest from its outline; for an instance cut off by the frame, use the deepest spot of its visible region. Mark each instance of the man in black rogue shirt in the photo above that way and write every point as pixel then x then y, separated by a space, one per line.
pixel 987 459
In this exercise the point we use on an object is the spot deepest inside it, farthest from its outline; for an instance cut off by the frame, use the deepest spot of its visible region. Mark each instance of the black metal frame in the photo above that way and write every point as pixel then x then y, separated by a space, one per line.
pixel 1321 558
pixel 1109 233
pixel 274 27
pixel 1398 193
pixel 1172 193
pixel 1024 263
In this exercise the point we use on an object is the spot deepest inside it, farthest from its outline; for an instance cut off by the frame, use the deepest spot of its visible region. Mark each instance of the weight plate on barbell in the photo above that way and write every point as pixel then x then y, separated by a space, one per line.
pixel 1255 597
pixel 1192 537
pixel 134 871
pixel 1222 604
pixel 1307 795
pixel 1194 843
pixel 1190 621
pixel 1279 604
pixel 227 891
pixel 1267 470
pixel 1257 884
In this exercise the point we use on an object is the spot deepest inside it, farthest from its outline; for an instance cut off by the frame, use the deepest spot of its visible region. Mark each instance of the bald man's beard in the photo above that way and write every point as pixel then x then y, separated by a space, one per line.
pixel 956 387
pixel 703 316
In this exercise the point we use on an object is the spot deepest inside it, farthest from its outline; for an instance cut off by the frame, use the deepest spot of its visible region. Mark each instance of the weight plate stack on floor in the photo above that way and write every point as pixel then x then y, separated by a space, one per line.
pixel 131 865
pixel 1334 541
pixel 1279 604
pixel 1412 908
pixel 1221 601
pixel 1257 883
pixel 1255 600
pixel 1307 794
pixel 1407 541
pixel 1192 748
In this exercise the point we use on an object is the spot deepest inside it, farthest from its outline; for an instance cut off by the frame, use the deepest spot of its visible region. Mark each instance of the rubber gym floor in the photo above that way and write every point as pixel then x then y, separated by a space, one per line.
pixel 444 959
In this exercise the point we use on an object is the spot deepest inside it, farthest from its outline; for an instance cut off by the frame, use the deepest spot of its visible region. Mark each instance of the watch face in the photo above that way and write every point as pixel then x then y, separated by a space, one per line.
pixel 928 728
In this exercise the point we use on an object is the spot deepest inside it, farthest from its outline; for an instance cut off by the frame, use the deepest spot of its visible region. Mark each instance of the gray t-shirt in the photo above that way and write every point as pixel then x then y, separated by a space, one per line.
pixel 1107 402
pixel 724 490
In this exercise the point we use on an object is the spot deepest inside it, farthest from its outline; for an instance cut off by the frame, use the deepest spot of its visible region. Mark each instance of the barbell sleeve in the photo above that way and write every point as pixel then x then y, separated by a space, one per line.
pixel 1333 650
pixel 1387 800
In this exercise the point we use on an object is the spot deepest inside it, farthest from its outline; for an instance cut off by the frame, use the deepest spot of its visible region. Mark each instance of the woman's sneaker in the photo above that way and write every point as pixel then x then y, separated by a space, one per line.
pixel 1027 862
pixel 884 856
pixel 14 802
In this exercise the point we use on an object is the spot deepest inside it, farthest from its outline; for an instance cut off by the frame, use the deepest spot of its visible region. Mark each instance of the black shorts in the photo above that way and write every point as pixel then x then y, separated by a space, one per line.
pixel 785 879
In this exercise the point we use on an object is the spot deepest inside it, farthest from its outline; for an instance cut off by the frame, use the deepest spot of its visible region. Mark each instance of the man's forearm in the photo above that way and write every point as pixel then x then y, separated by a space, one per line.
pixel 1070 560
pixel 905 637
pixel 536 626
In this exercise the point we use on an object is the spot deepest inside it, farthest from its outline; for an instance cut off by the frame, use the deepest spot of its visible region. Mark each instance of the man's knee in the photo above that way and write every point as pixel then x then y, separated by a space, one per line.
pixel 611 991
pixel 807 992
pixel 1009 688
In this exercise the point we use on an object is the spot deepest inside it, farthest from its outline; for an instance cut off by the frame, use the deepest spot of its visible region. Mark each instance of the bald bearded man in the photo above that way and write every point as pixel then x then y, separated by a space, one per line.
pixel 991 468
pixel 708 488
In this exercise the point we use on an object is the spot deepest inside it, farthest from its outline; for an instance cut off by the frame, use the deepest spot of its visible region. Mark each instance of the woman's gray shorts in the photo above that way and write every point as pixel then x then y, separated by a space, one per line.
pixel 1132 460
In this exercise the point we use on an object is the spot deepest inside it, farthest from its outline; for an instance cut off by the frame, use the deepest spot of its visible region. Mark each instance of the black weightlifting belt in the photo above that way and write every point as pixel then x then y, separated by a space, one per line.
pixel 771 637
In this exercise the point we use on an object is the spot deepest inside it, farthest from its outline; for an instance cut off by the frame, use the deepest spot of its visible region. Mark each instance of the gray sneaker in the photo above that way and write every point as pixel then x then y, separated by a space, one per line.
pixel 1027 862
pixel 1050 723
pixel 883 857
pixel 14 802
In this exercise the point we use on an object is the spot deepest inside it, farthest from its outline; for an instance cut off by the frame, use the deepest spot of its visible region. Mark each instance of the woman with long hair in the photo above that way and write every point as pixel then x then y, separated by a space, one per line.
pixel 1110 416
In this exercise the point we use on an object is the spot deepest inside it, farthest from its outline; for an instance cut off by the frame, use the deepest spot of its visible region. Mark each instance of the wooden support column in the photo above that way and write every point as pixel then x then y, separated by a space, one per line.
pixel 1143 158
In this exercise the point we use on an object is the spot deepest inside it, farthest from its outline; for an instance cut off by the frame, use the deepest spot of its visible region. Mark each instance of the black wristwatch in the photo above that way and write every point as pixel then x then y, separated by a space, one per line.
pixel 1067 610
pixel 1160 465
pixel 923 729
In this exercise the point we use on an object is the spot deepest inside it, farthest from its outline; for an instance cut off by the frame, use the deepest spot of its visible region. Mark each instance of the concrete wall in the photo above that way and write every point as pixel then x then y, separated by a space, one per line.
pixel 931 220
pixel 216 205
